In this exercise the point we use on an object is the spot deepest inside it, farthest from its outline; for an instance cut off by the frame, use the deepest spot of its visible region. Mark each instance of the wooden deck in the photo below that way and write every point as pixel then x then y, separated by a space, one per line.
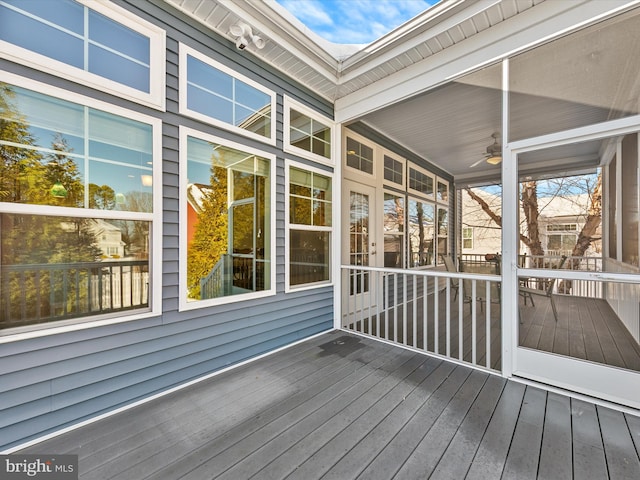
pixel 587 328
pixel 342 406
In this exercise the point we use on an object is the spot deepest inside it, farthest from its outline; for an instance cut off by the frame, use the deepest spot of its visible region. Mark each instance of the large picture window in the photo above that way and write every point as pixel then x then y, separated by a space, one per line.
pixel 90 44
pixel 76 209
pixel 215 94
pixel 227 207
pixel 310 220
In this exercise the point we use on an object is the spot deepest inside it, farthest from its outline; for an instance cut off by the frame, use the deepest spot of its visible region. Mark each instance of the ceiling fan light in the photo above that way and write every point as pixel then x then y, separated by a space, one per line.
pixel 494 159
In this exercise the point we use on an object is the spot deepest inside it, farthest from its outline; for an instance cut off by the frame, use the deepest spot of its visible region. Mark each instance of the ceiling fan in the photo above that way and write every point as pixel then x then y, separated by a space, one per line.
pixel 494 152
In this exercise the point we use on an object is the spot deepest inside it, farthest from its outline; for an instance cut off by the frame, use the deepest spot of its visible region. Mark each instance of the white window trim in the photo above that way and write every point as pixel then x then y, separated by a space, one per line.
pixel 424 171
pixel 351 172
pixel 384 152
pixel 183 304
pixel 431 202
pixel 405 243
pixel 184 110
pixel 155 260
pixel 445 182
pixel 315 228
pixel 157 72
pixel 289 104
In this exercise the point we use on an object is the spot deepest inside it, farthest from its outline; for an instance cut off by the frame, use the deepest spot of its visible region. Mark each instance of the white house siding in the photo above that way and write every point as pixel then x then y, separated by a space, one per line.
pixel 53 381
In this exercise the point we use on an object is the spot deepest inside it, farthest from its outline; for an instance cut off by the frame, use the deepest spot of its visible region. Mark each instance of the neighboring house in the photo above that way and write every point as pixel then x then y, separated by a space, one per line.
pixel 561 219
pixel 323 159
pixel 108 239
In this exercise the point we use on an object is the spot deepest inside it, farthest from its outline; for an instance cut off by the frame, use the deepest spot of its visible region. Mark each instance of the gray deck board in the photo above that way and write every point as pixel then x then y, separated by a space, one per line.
pixel 459 454
pixel 425 457
pixel 556 449
pixel 492 453
pixel 342 406
pixel 622 459
pixel 588 452
pixel 524 452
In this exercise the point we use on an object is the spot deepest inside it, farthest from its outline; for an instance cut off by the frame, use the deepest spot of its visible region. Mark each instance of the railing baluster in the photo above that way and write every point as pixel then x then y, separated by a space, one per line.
pixel 395 307
pixel 425 310
pixel 405 300
pixel 487 326
pixel 386 307
pixel 447 324
pixel 436 313
pixel 415 311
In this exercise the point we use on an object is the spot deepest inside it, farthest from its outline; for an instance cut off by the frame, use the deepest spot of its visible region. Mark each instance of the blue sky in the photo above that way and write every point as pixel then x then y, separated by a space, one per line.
pixel 354 21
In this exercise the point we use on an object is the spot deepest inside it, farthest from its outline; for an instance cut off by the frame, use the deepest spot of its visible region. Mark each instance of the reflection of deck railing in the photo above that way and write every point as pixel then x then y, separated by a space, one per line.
pixel 43 292
pixel 232 275
pixel 217 283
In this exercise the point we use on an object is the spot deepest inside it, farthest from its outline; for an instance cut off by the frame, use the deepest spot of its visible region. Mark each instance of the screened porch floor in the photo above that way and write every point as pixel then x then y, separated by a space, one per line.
pixel 587 328
pixel 344 406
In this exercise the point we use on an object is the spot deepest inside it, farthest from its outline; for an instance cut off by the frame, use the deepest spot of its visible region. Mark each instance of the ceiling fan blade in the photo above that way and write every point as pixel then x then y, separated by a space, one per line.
pixel 477 163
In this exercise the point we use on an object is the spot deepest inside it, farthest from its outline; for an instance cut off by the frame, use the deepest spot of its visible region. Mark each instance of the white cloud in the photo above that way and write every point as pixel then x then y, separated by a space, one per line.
pixel 354 21
pixel 309 12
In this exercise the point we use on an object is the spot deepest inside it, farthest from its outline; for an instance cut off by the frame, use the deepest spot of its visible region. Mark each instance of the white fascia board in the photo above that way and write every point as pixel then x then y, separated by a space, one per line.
pixel 428 24
pixel 547 20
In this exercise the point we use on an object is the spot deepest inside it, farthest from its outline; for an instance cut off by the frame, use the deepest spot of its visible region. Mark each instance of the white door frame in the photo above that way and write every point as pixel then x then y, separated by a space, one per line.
pixel 367 301
pixel 608 383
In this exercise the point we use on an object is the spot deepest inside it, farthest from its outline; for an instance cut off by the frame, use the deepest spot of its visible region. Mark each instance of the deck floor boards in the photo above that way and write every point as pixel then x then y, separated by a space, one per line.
pixel 343 406
pixel 587 329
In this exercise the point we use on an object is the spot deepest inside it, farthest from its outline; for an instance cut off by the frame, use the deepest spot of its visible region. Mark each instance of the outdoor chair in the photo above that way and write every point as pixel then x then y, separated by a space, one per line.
pixel 529 292
pixel 491 266
pixel 451 267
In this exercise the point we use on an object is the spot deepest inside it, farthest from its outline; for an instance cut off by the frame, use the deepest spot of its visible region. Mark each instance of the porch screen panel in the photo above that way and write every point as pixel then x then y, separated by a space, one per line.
pixel 580 79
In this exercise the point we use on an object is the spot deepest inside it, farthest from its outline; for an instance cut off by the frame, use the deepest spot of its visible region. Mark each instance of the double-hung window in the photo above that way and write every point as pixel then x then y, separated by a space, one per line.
pixel 213 93
pixel 79 194
pixel 227 208
pixel 309 195
pixel 95 43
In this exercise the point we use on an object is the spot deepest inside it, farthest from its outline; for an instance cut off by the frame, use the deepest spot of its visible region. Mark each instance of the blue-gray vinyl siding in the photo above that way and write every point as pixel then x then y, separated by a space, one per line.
pixel 54 381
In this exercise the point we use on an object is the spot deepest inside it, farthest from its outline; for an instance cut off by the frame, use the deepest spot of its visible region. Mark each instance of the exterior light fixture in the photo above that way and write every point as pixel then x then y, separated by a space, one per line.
pixel 245 36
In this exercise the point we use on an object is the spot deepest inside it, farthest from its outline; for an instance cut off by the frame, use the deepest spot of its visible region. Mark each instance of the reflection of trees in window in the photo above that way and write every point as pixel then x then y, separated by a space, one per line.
pixel 50 263
pixel 421 233
pixel 210 239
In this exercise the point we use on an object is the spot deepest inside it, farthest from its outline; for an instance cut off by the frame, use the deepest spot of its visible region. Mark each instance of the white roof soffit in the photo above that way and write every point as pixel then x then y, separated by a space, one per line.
pixel 333 70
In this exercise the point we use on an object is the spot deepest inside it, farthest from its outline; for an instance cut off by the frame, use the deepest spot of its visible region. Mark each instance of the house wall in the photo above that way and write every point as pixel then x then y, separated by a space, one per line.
pixel 623 297
pixel 51 381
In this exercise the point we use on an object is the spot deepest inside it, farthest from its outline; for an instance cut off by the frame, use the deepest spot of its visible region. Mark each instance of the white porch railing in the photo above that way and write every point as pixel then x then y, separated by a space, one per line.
pixel 455 315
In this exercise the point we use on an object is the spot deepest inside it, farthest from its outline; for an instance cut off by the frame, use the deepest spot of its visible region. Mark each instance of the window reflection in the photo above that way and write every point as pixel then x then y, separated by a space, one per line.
pixel 45 162
pixel 421 230
pixel 54 268
pixel 228 221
